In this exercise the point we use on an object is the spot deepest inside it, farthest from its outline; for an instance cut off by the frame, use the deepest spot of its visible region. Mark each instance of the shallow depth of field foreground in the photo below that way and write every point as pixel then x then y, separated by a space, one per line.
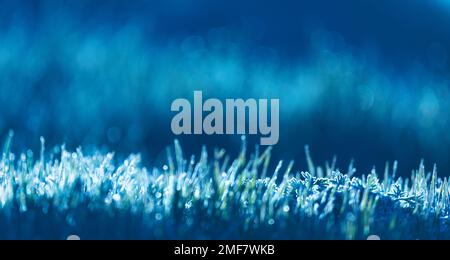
pixel 213 196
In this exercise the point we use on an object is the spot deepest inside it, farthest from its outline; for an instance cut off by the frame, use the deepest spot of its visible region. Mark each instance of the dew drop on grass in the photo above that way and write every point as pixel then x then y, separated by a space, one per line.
pixel 197 193
pixel 116 197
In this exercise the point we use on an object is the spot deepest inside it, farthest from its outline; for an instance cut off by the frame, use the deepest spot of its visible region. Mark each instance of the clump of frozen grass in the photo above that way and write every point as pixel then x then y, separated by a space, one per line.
pixel 213 197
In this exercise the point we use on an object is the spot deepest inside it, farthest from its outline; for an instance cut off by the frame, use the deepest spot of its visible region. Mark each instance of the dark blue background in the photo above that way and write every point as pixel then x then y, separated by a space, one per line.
pixel 367 80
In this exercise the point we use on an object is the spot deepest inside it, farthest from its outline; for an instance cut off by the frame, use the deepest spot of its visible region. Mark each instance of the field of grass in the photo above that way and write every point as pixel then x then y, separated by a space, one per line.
pixel 212 196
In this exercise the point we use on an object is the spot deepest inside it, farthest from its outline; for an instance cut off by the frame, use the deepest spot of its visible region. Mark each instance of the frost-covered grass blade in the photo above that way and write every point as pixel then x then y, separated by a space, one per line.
pixel 213 197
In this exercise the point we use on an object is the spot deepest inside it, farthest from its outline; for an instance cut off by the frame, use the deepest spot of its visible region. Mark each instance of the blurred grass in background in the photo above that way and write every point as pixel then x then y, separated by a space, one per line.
pixel 105 74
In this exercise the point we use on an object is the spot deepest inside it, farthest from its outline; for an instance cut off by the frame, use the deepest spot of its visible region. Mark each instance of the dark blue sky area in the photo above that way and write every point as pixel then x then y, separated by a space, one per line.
pixel 401 31
pixel 405 76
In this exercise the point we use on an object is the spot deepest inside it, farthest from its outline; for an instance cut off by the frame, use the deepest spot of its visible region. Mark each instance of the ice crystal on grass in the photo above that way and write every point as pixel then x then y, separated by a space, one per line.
pixel 91 195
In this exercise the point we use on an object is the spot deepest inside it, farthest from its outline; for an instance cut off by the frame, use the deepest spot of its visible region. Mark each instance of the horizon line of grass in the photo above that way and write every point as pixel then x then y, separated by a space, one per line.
pixel 213 196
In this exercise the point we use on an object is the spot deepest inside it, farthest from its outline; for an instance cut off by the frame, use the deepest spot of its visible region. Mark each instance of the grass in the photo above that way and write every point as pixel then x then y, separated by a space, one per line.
pixel 61 193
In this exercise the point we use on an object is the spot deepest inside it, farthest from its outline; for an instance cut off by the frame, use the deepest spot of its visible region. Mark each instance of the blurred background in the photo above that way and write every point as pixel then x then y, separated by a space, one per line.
pixel 367 80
